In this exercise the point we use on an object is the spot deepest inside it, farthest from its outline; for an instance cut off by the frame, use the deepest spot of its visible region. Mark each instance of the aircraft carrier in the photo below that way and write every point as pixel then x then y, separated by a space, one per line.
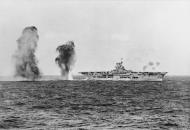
pixel 120 73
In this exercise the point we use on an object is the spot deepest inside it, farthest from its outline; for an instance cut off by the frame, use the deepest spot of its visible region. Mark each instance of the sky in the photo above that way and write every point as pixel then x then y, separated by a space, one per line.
pixel 138 31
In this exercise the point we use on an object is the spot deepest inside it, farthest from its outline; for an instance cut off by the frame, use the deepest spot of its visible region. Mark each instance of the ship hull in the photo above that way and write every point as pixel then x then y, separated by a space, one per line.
pixel 129 76
pixel 141 79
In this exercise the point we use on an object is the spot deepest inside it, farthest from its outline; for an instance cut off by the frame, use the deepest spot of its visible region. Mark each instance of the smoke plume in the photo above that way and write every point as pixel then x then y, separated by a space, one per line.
pixel 66 58
pixel 144 68
pixel 25 59
pixel 157 63
pixel 151 65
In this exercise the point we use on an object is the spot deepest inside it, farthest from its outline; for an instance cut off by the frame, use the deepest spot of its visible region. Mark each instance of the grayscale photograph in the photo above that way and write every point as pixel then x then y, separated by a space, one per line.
pixel 95 65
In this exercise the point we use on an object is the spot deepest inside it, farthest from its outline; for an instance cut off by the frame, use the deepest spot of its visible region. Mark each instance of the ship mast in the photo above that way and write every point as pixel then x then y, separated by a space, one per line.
pixel 119 66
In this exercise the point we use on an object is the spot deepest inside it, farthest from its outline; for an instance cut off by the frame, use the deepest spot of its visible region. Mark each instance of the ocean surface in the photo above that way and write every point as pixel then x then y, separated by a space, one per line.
pixel 95 105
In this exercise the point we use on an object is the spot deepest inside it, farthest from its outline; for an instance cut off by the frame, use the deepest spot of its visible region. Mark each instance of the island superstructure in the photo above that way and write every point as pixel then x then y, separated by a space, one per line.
pixel 120 73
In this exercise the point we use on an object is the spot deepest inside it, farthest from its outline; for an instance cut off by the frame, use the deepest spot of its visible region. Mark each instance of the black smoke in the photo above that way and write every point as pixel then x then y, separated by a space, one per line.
pixel 157 63
pixel 66 58
pixel 151 65
pixel 25 59
pixel 144 68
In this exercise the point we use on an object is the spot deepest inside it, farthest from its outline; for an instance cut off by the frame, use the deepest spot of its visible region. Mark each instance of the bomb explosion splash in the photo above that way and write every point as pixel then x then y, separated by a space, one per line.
pixel 66 58
pixel 25 59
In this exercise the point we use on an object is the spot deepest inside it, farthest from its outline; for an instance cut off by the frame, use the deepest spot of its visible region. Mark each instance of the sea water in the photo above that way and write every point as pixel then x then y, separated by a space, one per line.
pixel 96 105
